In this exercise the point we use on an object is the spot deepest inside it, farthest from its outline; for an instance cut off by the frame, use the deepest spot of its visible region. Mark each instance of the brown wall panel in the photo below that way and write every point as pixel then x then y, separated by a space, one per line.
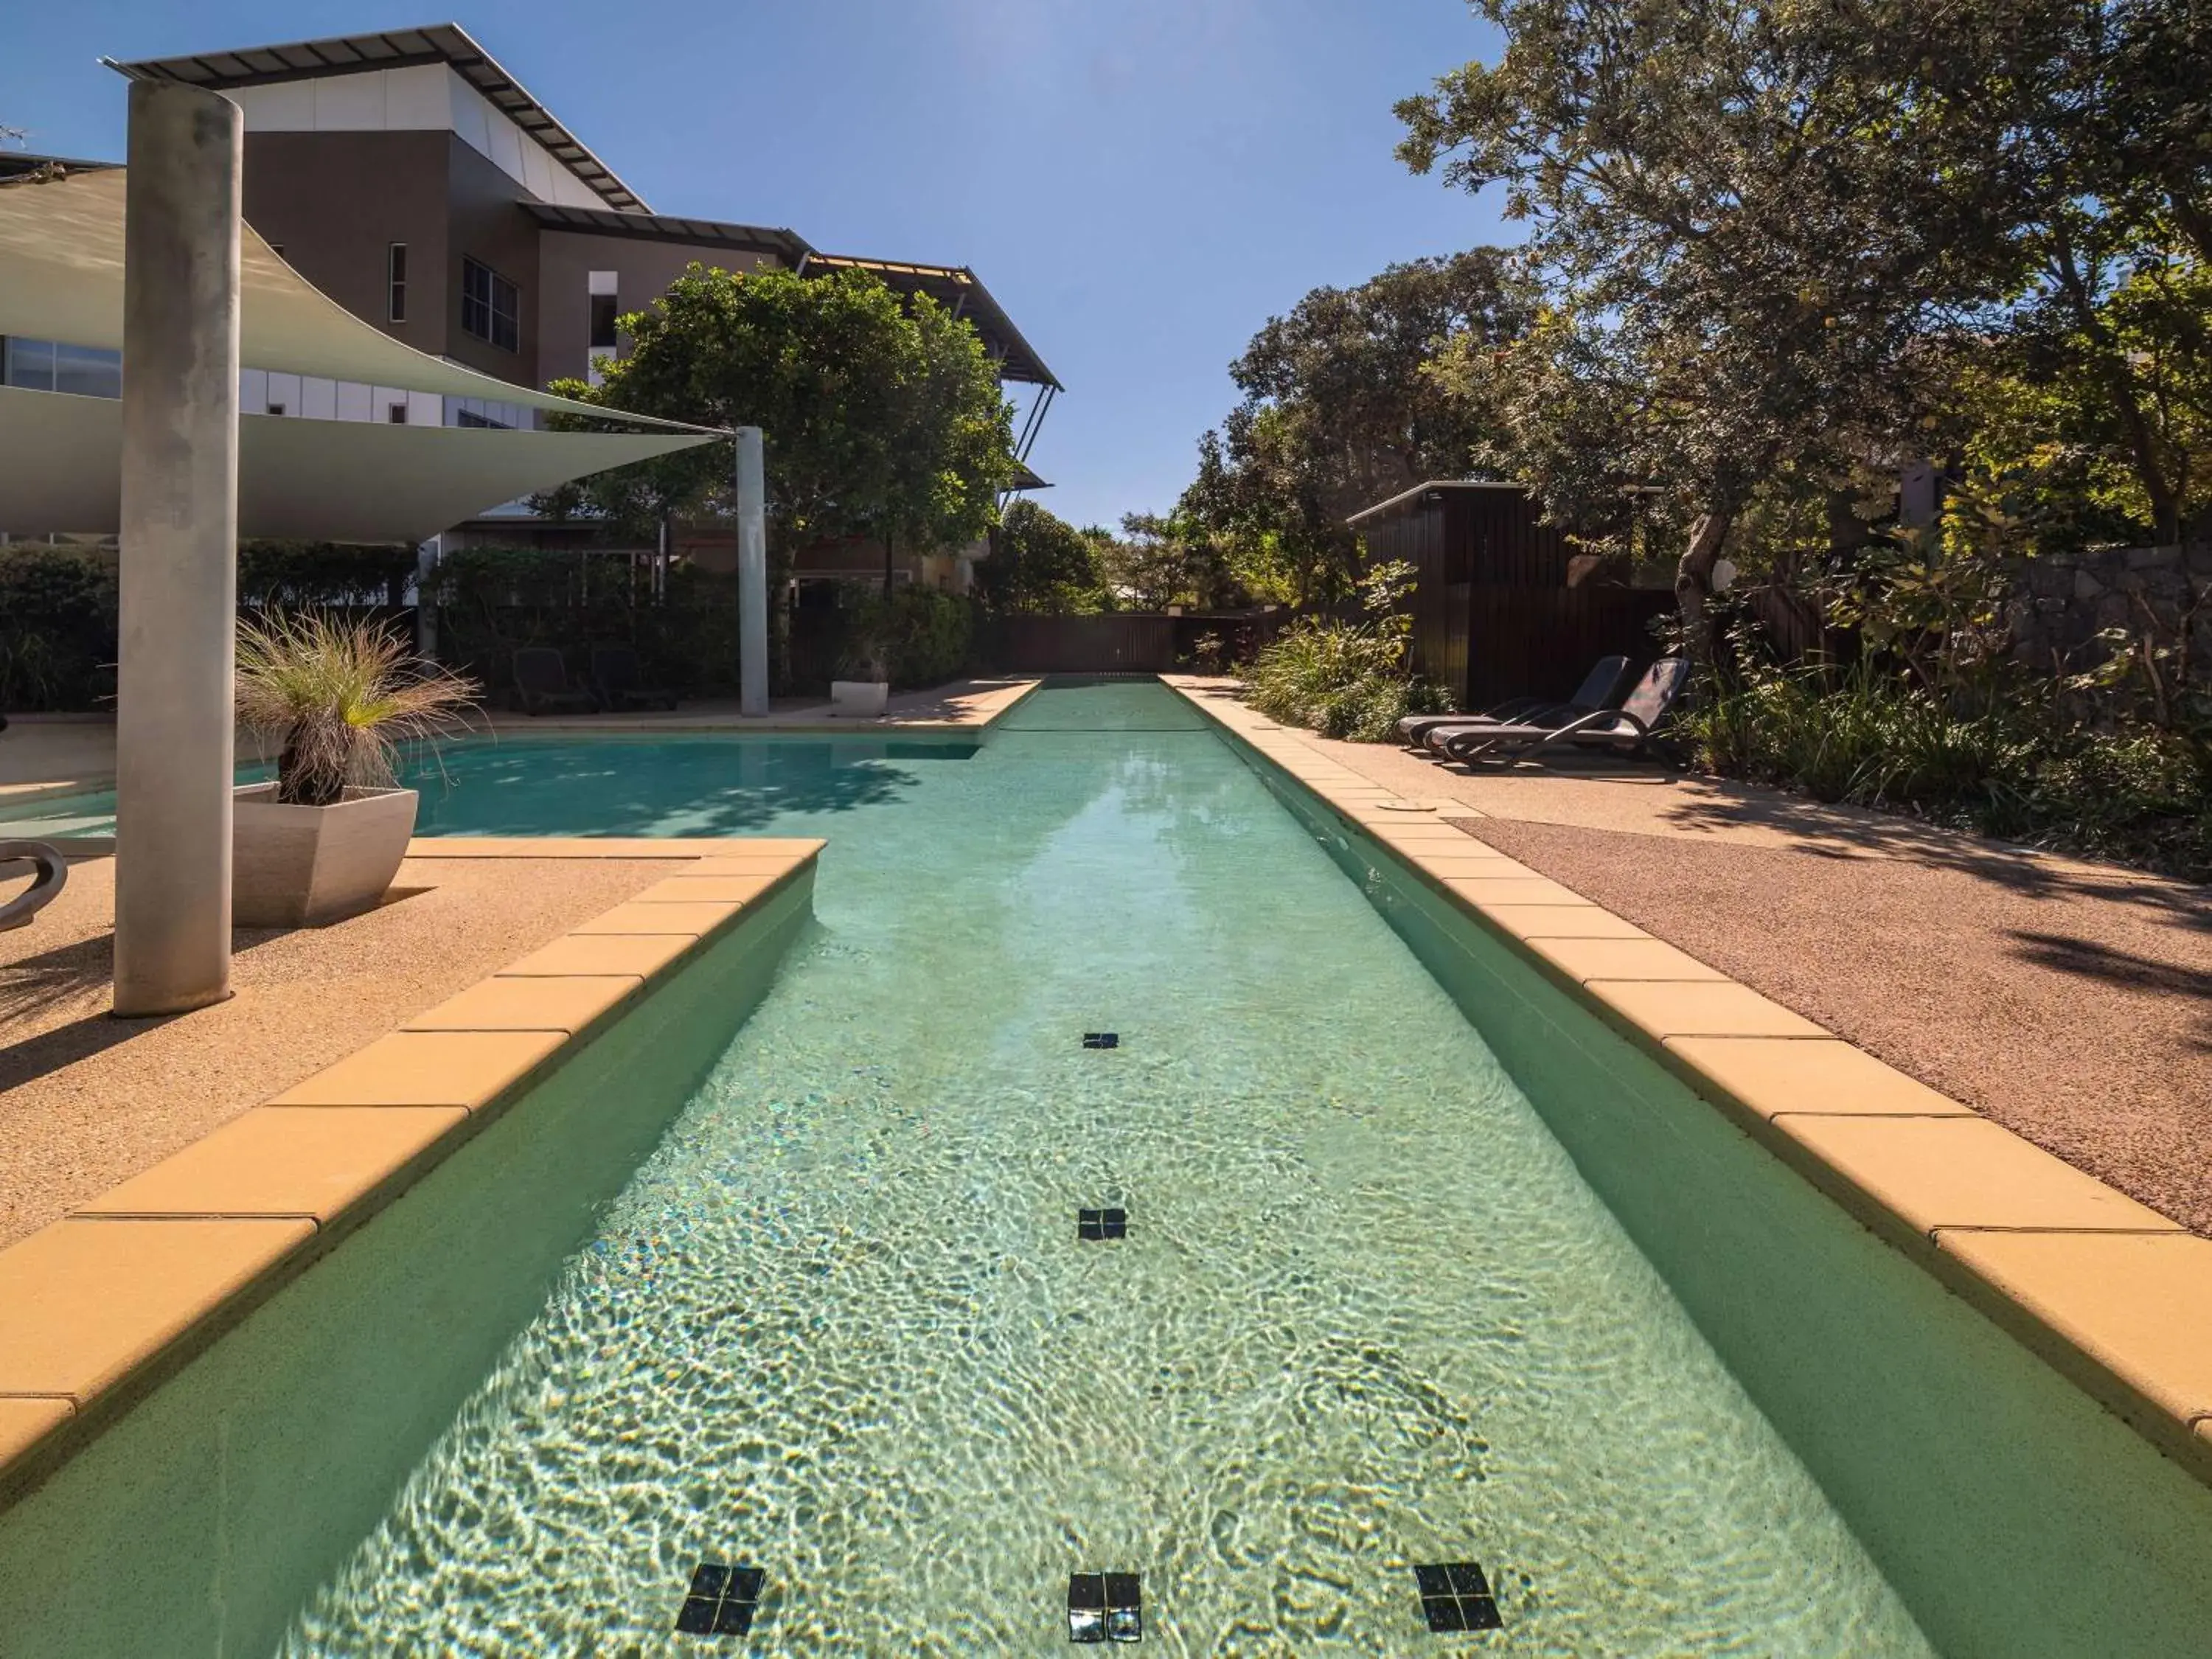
pixel 643 269
pixel 335 202
pixel 488 226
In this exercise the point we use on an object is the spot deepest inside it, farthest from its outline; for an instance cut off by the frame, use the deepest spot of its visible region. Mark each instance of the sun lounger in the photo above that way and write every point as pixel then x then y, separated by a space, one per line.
pixel 51 874
pixel 621 682
pixel 541 683
pixel 1599 688
pixel 1623 730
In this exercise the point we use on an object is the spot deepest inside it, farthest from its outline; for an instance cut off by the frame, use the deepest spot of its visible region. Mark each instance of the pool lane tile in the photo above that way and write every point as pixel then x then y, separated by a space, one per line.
pixel 24 1423
pixel 1104 1607
pixel 1772 1075
pixel 721 1600
pixel 1456 1596
pixel 1098 1225
pixel 1724 1009
pixel 570 1003
pixel 1102 1039
pixel 707 889
pixel 1585 959
pixel 284 1161
pixel 2138 1303
pixel 1964 1172
pixel 468 1069
pixel 83 1303
pixel 697 920
pixel 1536 921
pixel 643 955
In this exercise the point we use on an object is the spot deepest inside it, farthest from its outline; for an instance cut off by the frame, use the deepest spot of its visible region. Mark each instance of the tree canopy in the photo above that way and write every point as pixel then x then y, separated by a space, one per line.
pixel 882 419
pixel 1339 412
pixel 1039 561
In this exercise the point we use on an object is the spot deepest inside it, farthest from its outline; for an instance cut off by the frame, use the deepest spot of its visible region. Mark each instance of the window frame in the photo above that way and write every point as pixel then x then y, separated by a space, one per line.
pixel 395 281
pixel 481 315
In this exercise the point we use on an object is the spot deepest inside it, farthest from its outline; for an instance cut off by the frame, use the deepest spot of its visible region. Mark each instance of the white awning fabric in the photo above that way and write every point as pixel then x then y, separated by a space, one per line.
pixel 61 467
pixel 61 278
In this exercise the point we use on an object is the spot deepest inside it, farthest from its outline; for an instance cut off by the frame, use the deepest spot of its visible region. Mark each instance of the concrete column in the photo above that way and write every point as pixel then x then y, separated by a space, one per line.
pixel 752 574
pixel 179 551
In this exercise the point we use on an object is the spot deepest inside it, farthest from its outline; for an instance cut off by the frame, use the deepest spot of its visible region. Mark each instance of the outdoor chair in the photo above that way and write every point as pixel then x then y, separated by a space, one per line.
pixel 541 683
pixel 620 681
pixel 1624 731
pixel 51 875
pixel 1598 689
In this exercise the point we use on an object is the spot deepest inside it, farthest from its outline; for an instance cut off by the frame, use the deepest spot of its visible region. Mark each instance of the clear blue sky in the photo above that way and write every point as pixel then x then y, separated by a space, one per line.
pixel 1141 183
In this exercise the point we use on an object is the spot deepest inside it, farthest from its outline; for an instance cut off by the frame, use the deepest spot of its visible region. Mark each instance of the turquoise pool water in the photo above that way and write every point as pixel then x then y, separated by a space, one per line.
pixel 840 1325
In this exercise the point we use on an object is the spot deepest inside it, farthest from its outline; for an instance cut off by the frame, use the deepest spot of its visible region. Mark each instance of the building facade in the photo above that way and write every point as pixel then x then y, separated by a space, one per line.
pixel 413 179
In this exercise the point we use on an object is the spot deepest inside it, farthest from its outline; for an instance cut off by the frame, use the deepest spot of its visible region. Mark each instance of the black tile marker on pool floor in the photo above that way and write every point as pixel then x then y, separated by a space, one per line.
pixel 722 1600
pixel 1094 1225
pixel 1102 1606
pixel 1456 1596
pixel 1102 1039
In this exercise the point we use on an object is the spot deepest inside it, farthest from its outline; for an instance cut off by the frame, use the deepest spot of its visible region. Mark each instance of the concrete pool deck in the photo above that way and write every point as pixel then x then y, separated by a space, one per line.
pixel 2113 1292
pixel 159 1177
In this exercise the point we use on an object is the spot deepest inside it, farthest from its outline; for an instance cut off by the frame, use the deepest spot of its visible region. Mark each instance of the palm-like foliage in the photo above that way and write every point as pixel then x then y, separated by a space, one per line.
pixel 340 697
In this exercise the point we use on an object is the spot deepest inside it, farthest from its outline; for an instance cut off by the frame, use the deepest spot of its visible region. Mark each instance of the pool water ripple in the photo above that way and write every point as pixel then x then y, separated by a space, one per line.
pixel 840 1325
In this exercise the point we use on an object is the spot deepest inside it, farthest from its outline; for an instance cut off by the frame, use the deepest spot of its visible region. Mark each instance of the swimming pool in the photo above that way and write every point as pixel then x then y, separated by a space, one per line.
pixel 837 1321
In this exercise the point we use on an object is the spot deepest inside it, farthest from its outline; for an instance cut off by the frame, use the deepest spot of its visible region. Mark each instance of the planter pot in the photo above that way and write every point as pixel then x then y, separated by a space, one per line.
pixel 303 866
pixel 859 699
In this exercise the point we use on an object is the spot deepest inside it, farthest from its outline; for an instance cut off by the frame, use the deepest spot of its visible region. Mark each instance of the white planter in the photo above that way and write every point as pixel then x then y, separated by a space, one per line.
pixel 303 866
pixel 859 699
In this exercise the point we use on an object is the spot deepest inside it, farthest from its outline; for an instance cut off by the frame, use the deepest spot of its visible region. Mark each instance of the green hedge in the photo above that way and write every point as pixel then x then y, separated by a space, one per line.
pixel 920 635
pixel 493 599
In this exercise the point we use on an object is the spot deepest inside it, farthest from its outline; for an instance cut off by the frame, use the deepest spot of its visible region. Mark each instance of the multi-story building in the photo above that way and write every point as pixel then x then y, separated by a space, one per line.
pixel 416 182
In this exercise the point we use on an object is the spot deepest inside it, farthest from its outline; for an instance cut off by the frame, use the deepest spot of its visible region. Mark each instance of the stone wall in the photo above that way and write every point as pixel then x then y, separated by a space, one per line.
pixel 2063 603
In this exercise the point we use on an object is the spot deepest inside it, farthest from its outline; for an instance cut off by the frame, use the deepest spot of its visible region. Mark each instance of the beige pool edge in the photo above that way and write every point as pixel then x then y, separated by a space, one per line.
pixel 2116 1296
pixel 99 1308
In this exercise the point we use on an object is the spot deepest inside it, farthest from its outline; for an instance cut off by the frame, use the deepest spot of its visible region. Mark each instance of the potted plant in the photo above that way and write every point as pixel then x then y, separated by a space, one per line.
pixel 324 841
pixel 865 691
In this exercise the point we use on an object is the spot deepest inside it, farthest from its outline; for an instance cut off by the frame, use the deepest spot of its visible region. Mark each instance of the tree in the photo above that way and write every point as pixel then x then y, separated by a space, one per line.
pixel 882 420
pixel 1759 227
pixel 1040 562
pixel 1339 413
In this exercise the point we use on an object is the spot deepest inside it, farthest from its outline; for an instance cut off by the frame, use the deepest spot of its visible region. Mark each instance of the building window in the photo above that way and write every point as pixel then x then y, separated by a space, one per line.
pixel 469 417
pixel 395 414
pixel 395 271
pixel 491 307
pixel 29 364
pixel 276 408
pixel 44 366
pixel 604 285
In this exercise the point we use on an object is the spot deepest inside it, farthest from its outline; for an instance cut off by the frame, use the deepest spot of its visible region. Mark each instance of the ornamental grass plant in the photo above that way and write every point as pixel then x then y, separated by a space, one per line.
pixel 338 697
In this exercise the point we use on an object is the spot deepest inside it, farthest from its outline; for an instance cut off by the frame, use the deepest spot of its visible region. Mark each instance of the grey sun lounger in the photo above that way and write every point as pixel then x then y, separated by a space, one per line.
pixel 1598 689
pixel 1622 731
pixel 50 874
pixel 541 683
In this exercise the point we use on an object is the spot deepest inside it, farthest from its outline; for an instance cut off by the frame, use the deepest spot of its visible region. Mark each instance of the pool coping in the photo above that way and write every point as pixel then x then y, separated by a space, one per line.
pixel 100 1307
pixel 2115 1296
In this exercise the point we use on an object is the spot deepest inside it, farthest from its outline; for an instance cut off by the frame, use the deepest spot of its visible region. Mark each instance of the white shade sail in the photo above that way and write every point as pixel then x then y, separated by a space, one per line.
pixel 61 468
pixel 61 278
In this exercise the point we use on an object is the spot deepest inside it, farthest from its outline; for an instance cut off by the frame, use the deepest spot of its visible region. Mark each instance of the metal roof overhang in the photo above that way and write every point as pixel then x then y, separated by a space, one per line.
pixel 958 287
pixel 1407 497
pixel 433 43
pixel 785 245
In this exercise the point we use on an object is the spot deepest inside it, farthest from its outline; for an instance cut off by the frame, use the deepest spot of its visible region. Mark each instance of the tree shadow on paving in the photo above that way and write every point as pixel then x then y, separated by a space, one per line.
pixel 31 986
pixel 1824 831
pixel 2066 955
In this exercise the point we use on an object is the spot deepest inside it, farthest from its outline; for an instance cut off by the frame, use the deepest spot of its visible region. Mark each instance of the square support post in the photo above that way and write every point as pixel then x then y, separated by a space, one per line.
pixel 752 574
pixel 179 566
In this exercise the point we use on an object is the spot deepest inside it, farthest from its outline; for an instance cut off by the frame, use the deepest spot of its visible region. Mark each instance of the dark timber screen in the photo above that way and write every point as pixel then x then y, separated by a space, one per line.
pixel 1493 616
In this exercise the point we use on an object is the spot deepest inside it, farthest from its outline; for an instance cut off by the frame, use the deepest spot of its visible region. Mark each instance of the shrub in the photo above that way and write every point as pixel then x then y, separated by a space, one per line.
pixel 2013 768
pixel 919 636
pixel 58 610
pixel 1345 679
